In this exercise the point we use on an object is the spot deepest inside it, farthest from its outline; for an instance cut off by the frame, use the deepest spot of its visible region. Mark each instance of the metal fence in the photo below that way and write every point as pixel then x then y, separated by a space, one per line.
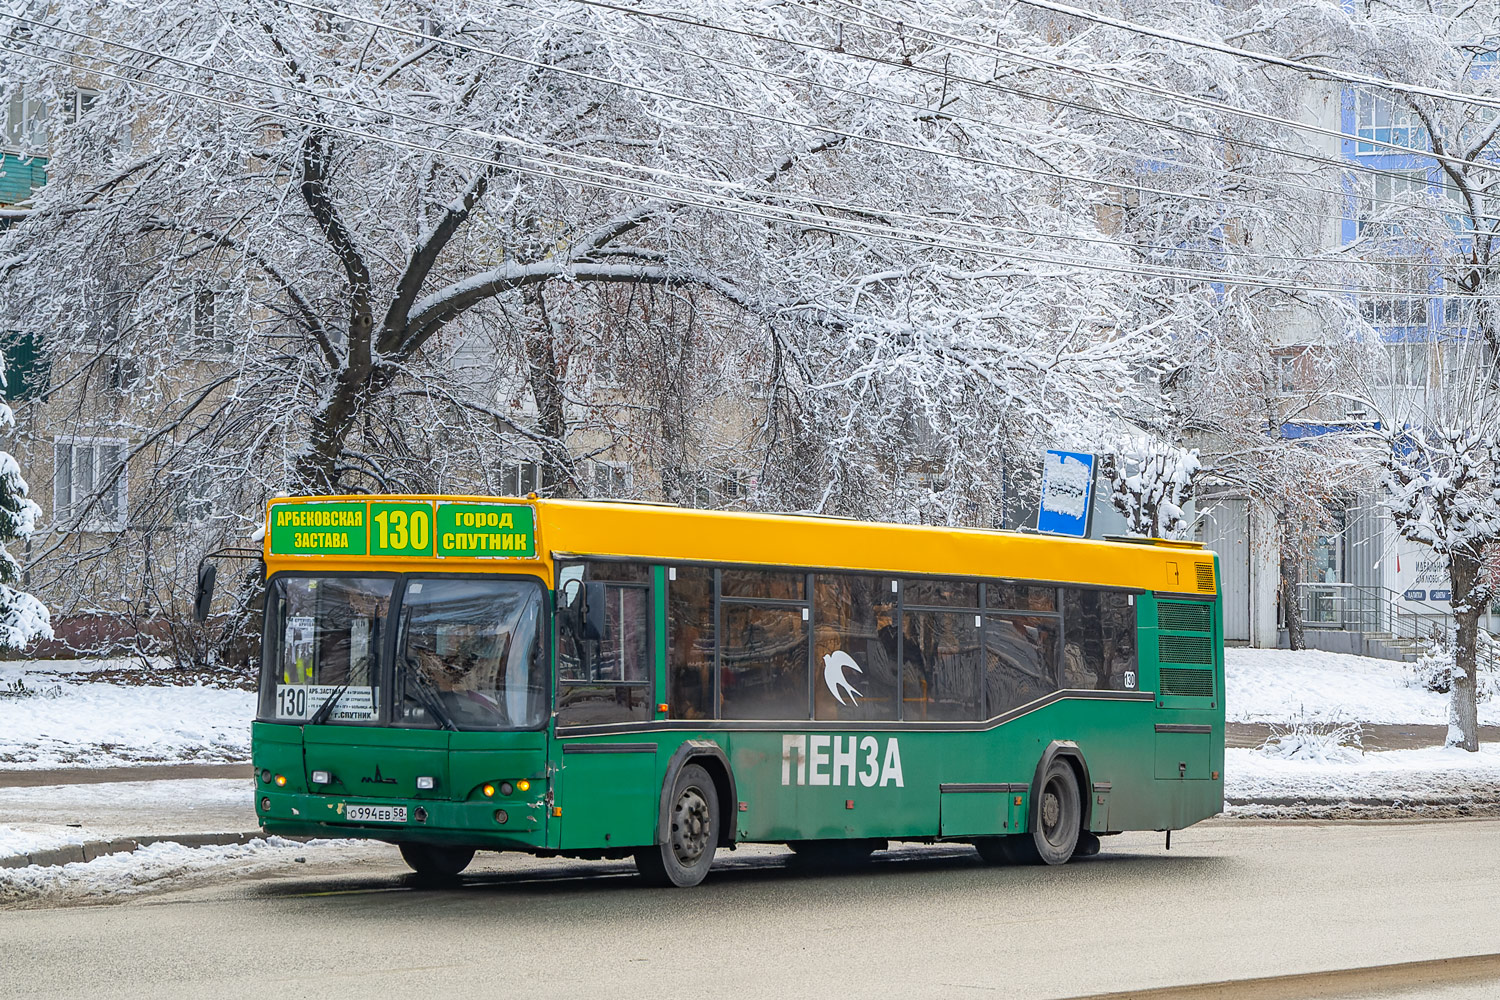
pixel 1372 610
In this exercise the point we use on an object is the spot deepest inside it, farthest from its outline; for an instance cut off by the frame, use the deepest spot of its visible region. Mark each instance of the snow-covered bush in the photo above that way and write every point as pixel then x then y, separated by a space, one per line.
pixel 19 689
pixel 1322 740
pixel 1433 670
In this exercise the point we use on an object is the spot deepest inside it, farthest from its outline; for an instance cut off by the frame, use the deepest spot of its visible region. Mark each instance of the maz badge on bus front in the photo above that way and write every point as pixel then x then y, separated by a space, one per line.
pixel 836 760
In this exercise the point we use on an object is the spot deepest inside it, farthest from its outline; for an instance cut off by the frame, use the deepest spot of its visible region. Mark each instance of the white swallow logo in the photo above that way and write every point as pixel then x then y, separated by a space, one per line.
pixel 833 675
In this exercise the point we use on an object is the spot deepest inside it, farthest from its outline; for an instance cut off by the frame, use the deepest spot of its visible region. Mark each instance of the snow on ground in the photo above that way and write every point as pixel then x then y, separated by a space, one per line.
pixel 1275 685
pixel 38 818
pixel 163 865
pixel 1428 775
pixel 72 721
pixel 31 838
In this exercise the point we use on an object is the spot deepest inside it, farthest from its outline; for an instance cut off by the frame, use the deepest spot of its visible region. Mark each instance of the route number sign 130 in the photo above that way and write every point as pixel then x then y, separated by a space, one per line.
pixel 401 529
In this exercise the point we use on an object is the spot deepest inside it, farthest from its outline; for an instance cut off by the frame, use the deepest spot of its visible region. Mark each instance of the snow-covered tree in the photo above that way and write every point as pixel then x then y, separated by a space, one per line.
pixel 23 618
pixel 859 258
pixel 1441 456
pixel 1150 481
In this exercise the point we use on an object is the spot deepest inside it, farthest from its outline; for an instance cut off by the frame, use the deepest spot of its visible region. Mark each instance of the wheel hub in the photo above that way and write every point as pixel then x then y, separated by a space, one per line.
pixel 1051 811
pixel 690 827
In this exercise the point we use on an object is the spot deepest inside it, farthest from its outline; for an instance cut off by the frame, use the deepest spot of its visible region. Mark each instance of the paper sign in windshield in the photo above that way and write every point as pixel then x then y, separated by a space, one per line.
pixel 299 702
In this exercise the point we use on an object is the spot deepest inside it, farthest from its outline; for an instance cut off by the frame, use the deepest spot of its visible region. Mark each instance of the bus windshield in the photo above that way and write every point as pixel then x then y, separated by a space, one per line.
pixel 324 641
pixel 468 652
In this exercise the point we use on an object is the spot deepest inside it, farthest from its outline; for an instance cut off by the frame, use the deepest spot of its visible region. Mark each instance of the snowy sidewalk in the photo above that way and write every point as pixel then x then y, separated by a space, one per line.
pixel 102 713
pixel 51 824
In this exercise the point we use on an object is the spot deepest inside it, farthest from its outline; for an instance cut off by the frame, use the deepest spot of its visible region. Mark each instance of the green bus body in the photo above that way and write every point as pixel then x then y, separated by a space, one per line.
pixel 1145 760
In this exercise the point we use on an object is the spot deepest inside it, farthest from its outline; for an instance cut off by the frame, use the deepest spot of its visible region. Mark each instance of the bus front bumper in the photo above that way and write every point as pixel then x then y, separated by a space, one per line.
pixel 493 824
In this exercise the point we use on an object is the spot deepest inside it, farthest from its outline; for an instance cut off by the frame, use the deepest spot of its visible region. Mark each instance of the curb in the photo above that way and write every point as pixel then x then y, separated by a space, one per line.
pixel 89 850
pixel 1388 801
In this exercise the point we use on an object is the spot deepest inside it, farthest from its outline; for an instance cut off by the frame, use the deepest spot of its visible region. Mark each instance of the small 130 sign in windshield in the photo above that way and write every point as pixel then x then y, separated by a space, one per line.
pixel 420 528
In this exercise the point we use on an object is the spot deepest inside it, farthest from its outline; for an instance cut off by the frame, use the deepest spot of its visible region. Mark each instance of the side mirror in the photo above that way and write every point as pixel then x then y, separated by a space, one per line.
pixel 595 625
pixel 207 574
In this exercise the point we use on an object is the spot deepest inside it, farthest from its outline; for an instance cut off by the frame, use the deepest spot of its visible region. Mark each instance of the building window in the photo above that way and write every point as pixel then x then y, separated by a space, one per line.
pixel 1407 365
pixel 1389 195
pixel 713 490
pixel 25 121
pixel 1286 373
pixel 194 502
pixel 88 485
pixel 517 479
pixel 611 479
pixel 208 322
pixel 27 369
pixel 1408 289
pixel 123 373
pixel 1378 119
pixel 79 103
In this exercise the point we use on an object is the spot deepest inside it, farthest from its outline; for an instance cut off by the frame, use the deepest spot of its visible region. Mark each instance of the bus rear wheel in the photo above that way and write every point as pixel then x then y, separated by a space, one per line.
pixel 692 833
pixel 1057 833
pixel 436 862
pixel 1059 817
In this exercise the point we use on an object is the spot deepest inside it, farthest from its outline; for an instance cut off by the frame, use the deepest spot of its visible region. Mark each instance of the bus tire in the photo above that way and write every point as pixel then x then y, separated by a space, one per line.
pixel 433 861
pixel 692 833
pixel 1058 815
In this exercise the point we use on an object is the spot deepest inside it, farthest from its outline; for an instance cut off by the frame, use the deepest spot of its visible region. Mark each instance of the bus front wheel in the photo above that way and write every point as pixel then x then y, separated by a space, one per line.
pixel 434 861
pixel 692 833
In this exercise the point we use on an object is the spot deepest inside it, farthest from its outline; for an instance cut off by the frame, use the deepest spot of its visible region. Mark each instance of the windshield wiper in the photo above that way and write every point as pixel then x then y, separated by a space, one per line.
pixel 429 697
pixel 324 710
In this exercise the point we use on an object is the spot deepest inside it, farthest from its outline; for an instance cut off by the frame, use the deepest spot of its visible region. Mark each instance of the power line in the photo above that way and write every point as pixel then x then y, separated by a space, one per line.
pixel 1345 76
pixel 1024 58
pixel 1213 249
pixel 1349 166
pixel 1121 186
pixel 848 227
pixel 1297 187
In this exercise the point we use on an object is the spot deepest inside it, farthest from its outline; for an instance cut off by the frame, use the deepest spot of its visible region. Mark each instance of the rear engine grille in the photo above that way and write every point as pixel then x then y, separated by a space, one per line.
pixel 1186 681
pixel 1177 617
pixel 1185 649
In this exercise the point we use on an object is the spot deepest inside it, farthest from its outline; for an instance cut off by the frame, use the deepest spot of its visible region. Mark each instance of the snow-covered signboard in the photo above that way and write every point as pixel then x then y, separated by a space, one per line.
pixel 1418 576
pixel 1067 493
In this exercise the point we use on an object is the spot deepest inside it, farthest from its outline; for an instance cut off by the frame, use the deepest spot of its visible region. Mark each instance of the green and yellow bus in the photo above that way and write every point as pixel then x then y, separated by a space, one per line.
pixel 609 680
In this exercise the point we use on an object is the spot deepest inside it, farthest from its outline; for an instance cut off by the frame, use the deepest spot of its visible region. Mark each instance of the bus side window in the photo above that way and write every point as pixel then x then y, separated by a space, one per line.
pixel 1020 660
pixel 1100 638
pixel 612 681
pixel 941 662
pixel 690 643
pixel 854 647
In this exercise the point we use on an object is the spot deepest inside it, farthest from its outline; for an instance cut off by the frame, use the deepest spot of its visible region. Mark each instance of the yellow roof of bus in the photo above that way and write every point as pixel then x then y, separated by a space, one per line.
pixel 663 533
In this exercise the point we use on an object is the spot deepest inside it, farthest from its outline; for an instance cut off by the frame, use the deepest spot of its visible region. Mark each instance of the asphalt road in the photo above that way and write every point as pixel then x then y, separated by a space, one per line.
pixel 1231 901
